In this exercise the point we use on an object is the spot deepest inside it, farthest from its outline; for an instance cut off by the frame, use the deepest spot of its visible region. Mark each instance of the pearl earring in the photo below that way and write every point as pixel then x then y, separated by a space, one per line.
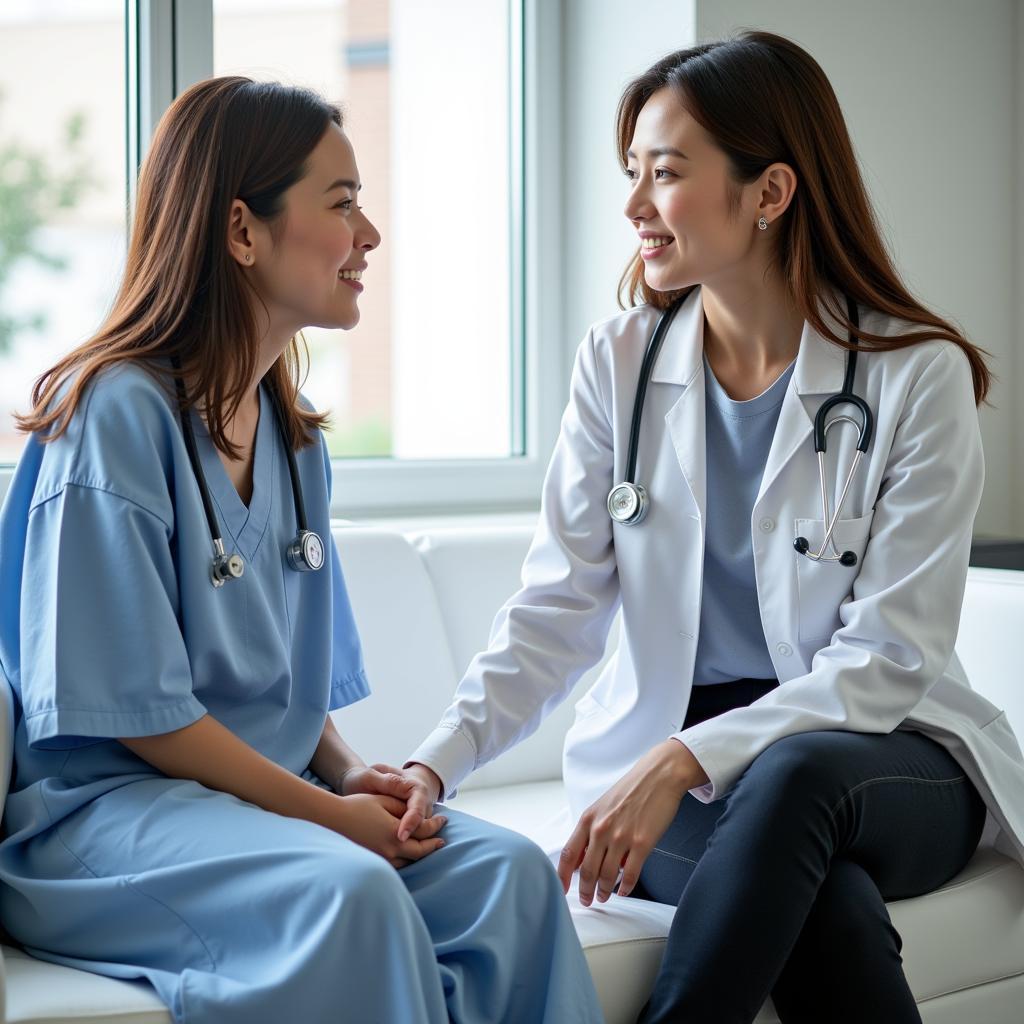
pixel 762 224
pixel 248 257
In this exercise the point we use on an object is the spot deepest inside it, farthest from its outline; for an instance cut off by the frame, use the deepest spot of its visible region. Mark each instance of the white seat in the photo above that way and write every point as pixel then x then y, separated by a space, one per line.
pixel 424 602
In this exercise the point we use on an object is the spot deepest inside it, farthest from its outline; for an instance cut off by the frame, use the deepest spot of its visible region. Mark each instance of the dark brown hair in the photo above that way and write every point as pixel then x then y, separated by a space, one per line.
pixel 182 293
pixel 764 100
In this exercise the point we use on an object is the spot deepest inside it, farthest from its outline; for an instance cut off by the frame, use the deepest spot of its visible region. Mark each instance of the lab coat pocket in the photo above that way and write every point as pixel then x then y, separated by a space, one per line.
pixel 824 586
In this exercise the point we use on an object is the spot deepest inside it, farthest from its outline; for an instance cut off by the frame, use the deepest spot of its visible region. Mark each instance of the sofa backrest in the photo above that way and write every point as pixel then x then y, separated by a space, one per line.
pixel 991 640
pixel 424 603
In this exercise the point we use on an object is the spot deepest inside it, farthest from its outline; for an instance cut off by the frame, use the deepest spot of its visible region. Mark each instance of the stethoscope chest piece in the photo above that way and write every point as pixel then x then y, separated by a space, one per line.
pixel 628 503
pixel 306 552
pixel 225 567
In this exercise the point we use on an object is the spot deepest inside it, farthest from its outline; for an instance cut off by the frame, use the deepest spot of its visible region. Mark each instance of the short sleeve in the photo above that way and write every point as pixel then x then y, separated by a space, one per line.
pixel 102 650
pixel 348 676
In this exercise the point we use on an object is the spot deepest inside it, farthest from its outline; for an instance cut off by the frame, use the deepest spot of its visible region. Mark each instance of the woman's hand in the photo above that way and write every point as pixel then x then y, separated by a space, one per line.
pixel 378 779
pixel 372 821
pixel 425 789
pixel 620 829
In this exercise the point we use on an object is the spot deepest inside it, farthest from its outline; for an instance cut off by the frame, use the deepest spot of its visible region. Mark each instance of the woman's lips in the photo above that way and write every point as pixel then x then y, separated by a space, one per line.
pixel 653 252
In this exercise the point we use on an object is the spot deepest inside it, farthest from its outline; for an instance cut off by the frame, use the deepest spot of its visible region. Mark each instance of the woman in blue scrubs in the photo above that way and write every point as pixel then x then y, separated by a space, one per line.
pixel 182 808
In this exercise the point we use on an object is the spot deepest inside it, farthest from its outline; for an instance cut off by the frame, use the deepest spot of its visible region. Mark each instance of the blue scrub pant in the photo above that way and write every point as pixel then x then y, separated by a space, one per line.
pixel 239 916
pixel 781 885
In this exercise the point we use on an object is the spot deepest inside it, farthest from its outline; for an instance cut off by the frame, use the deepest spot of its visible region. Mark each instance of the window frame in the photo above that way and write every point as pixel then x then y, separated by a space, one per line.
pixel 169 46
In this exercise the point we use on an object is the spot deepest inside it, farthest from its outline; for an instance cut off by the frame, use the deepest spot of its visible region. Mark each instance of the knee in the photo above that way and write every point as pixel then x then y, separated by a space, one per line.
pixel 351 880
pixel 804 763
pixel 518 858
pixel 527 857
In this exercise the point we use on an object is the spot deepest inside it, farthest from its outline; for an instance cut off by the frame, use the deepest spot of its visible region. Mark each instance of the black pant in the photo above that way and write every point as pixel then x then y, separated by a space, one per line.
pixel 781 885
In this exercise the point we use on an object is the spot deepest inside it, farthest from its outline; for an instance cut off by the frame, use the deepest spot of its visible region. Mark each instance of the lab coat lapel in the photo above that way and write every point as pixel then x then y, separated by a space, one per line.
pixel 817 374
pixel 681 363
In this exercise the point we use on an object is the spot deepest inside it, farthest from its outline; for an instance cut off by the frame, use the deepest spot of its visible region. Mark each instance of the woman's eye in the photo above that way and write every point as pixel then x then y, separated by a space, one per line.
pixel 345 204
pixel 661 170
pixel 630 174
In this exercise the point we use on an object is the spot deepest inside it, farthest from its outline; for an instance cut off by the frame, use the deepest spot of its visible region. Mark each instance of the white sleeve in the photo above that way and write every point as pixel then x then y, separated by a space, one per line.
pixel 898 631
pixel 555 626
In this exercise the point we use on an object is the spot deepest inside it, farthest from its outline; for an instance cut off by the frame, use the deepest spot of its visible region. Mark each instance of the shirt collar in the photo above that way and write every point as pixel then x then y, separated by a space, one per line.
pixel 820 364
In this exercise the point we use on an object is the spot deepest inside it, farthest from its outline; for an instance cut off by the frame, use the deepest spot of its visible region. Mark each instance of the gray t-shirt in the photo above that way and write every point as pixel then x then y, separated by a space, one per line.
pixel 731 642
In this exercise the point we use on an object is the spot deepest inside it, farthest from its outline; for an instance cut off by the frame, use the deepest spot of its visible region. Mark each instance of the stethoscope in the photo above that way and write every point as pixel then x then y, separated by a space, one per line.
pixel 304 554
pixel 628 502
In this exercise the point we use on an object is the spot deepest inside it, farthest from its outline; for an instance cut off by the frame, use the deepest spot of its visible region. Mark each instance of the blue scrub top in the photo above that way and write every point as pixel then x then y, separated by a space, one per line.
pixel 110 626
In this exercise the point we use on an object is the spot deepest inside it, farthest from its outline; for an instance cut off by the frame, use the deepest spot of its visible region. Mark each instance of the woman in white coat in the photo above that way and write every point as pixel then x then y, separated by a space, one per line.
pixel 780 744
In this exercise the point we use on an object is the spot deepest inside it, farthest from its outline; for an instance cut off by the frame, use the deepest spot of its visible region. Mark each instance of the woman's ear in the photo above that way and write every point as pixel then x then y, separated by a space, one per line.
pixel 241 234
pixel 777 191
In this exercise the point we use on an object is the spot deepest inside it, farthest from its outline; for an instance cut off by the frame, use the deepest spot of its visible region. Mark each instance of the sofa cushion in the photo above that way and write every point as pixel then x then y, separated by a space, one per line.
pixel 45 993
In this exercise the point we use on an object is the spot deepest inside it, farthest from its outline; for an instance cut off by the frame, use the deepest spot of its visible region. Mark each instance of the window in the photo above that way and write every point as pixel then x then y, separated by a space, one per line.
pixel 424 89
pixel 447 394
pixel 62 185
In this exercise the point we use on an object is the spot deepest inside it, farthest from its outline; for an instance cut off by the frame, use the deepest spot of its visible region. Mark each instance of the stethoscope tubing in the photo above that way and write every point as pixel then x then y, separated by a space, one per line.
pixel 646 368
pixel 304 554
pixel 193 454
pixel 628 501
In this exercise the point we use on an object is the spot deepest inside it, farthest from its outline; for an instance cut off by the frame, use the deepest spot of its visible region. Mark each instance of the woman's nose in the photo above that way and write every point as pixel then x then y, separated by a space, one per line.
pixel 637 206
pixel 368 238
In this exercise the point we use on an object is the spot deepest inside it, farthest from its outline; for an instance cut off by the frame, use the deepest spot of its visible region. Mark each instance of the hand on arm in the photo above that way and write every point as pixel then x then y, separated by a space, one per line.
pixel 214 756
pixel 346 773
pixel 620 829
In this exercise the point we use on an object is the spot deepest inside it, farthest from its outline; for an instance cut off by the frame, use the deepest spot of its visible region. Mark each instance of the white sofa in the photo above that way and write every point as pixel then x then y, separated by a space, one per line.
pixel 424 601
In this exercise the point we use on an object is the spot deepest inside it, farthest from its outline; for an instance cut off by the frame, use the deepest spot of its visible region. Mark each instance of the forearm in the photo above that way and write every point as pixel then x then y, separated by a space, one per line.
pixel 333 756
pixel 213 755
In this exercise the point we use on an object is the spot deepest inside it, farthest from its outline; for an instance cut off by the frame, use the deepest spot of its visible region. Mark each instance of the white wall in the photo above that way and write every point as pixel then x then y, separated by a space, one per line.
pixel 929 92
pixel 606 44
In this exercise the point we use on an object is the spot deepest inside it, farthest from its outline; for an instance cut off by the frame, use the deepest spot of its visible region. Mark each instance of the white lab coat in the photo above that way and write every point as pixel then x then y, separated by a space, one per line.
pixel 864 649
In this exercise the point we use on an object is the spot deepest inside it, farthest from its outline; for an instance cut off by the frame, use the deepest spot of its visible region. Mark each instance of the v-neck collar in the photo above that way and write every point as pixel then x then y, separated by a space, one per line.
pixel 243 526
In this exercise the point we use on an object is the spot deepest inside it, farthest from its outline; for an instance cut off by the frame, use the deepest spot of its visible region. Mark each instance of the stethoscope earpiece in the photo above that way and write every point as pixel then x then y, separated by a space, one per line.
pixel 847 558
pixel 225 567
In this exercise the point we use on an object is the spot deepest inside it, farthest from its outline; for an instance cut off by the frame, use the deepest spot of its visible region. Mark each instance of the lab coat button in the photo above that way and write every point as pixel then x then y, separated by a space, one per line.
pixel 767 525
pixel 784 649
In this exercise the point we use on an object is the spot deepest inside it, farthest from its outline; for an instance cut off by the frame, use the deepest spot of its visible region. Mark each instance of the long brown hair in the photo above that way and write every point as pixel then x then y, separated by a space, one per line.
pixel 182 294
pixel 764 100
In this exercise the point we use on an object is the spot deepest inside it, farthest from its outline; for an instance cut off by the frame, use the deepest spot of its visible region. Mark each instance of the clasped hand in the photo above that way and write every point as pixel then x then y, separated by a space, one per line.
pixel 376 801
pixel 619 830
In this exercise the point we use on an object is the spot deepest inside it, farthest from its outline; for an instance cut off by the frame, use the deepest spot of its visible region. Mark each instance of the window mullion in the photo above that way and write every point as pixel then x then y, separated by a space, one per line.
pixel 193 42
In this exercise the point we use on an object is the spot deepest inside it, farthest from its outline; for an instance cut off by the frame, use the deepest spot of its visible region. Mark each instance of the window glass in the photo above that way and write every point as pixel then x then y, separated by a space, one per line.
pixel 424 88
pixel 62 185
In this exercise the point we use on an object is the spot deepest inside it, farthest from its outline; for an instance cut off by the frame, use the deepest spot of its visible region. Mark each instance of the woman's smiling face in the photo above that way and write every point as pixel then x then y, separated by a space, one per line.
pixel 679 201
pixel 310 274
